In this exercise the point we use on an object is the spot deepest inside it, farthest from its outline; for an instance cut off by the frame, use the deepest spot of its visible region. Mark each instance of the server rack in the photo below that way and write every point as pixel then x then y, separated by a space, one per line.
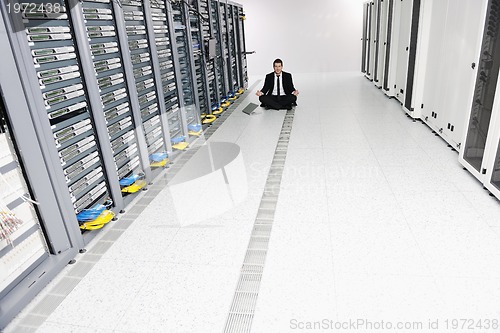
pixel 146 69
pixel 168 77
pixel 377 7
pixel 365 37
pixel 382 42
pixel 37 242
pixel 405 24
pixel 385 59
pixel 220 50
pixel 474 155
pixel 454 44
pixel 190 107
pixel 392 53
pixel 234 51
pixel 369 50
pixel 199 25
pixel 112 63
pixel 241 47
pixel 93 92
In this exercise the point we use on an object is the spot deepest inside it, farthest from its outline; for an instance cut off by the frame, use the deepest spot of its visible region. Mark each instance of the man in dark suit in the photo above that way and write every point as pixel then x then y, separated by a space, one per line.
pixel 278 91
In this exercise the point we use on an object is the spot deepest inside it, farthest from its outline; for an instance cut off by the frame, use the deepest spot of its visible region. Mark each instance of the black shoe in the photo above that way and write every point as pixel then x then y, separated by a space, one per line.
pixel 294 104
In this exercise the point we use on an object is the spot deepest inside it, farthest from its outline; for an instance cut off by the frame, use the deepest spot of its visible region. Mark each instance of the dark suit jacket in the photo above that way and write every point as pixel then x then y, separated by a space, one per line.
pixel 269 83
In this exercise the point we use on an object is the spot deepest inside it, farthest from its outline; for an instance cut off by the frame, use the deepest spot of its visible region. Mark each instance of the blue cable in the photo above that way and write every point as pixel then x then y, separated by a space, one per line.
pixel 158 157
pixel 177 139
pixel 91 213
pixel 126 181
pixel 194 127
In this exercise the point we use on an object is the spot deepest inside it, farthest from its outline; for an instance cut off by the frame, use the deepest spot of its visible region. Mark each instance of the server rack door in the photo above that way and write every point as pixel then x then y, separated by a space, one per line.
pixel 462 49
pixel 376 42
pixel 241 49
pixel 403 48
pixel 435 75
pixel 383 9
pixel 183 38
pixel 493 162
pixel 364 37
pixel 369 60
pixel 207 25
pixel 393 51
pixel 485 90
pixel 113 69
pixel 145 69
pixel 35 243
pixel 412 55
pixel 59 99
pixel 198 21
pixel 219 61
pixel 157 26
pixel 388 18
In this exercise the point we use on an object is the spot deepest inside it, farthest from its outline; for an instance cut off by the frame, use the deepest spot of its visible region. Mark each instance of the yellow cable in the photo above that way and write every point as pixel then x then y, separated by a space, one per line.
pixel 99 222
pixel 209 119
pixel 195 133
pixel 218 111
pixel 159 164
pixel 180 145
pixel 135 186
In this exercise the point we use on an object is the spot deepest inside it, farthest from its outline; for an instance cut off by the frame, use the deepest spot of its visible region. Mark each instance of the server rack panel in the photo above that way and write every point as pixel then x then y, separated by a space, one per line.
pixel 163 34
pixel 463 48
pixel 391 66
pixel 404 28
pixel 38 243
pixel 376 42
pixel 190 108
pixel 219 53
pixel 364 37
pixel 241 47
pixel 382 43
pixel 106 33
pixel 486 86
pixel 199 26
pixel 138 25
pixel 435 74
pixel 415 48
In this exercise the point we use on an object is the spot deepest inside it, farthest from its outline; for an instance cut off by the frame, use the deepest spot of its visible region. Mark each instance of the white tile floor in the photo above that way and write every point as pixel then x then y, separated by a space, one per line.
pixel 376 221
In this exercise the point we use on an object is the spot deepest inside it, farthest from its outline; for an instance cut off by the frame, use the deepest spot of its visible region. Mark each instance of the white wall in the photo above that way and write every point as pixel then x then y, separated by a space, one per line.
pixel 310 36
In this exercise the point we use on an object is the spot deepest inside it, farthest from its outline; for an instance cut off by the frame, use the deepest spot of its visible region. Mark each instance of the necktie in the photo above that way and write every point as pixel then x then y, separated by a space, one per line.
pixel 278 83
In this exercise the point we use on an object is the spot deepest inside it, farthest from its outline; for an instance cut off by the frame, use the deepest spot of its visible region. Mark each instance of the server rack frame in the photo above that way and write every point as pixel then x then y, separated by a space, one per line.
pixel 391 66
pixel 64 241
pixel 482 169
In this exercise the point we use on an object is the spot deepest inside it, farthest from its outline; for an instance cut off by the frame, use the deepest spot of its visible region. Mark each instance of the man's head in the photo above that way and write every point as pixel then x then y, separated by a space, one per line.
pixel 278 66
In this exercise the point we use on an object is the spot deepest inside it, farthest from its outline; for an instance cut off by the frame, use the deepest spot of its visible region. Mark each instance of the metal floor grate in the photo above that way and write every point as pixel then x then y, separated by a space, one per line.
pixel 245 297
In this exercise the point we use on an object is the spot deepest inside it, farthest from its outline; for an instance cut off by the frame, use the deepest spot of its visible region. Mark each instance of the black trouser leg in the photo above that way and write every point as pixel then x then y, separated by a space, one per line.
pixel 270 101
pixel 287 100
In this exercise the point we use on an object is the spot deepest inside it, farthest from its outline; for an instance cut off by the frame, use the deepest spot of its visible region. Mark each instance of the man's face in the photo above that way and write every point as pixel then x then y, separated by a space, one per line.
pixel 277 68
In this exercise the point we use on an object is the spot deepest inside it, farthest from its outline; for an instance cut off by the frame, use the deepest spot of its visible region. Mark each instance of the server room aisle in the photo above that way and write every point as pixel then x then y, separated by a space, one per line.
pixel 376 224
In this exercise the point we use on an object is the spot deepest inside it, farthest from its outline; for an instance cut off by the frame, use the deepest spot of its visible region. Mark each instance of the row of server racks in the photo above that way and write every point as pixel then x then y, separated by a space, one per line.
pixel 440 60
pixel 98 98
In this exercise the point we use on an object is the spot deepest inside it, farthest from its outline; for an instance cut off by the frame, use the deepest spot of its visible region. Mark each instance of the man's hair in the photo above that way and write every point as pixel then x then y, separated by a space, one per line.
pixel 278 61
